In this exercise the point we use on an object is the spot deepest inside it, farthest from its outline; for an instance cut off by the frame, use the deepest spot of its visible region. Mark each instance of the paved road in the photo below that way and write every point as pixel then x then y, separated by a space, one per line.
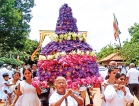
pixel 97 99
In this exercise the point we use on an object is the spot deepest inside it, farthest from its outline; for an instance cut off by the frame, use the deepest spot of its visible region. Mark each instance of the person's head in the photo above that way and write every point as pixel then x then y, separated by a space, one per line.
pixel 120 78
pixel 6 76
pixel 16 75
pixel 113 63
pixel 111 73
pixel 9 67
pixel 120 69
pixel 100 63
pixel 132 65
pixel 34 67
pixel 23 64
pixel 27 73
pixel 60 85
pixel 4 65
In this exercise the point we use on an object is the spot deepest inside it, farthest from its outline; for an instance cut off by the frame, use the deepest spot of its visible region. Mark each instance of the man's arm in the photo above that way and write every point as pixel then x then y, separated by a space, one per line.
pixel 58 103
pixel 78 99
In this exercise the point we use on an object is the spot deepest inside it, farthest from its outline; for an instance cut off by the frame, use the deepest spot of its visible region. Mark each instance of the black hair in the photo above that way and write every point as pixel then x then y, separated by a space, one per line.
pixel 118 75
pixel 24 69
pixel 5 75
pixel 110 69
pixel 100 63
pixel 16 72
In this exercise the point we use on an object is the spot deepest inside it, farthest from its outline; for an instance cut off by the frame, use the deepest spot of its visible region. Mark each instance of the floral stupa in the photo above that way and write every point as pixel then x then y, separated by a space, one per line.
pixel 68 54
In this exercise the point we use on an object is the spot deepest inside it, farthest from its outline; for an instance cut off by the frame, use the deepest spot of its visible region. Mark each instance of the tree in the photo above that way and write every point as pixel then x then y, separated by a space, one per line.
pixel 134 32
pixel 130 52
pixel 107 50
pixel 14 23
pixel 9 17
pixel 130 49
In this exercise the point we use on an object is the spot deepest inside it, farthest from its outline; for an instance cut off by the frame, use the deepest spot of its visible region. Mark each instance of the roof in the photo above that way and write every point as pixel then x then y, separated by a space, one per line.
pixel 113 56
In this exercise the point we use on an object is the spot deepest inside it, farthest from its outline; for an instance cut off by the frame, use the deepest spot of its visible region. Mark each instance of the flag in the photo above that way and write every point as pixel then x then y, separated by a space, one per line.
pixel 42 37
pixel 116 28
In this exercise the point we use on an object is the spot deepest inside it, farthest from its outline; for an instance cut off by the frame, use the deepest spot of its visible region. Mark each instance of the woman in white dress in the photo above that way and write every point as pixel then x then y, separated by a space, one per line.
pixel 27 90
pixel 109 80
pixel 118 94
pixel 15 80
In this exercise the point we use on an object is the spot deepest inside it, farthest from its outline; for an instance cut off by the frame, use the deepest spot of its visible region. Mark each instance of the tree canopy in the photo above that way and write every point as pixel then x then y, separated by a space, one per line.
pixel 130 49
pixel 15 16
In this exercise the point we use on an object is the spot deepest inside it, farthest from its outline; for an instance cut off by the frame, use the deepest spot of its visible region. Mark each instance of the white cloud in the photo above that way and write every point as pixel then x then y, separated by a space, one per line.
pixel 94 16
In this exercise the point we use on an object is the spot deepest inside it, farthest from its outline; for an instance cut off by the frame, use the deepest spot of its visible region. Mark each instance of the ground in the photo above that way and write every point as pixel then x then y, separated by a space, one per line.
pixel 97 99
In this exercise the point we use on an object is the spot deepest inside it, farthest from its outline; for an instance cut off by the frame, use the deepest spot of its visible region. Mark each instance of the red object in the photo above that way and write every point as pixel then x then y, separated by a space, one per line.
pixel 96 85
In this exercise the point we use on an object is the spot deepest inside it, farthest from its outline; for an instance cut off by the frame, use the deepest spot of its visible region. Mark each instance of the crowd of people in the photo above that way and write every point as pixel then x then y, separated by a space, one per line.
pixel 120 85
pixel 118 89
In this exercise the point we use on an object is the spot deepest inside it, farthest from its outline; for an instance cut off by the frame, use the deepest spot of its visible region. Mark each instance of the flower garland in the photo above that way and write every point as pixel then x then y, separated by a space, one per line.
pixel 68 36
pixel 66 45
pixel 56 55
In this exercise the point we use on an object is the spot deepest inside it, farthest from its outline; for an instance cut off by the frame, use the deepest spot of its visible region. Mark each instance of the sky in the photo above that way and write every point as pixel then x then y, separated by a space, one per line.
pixel 93 16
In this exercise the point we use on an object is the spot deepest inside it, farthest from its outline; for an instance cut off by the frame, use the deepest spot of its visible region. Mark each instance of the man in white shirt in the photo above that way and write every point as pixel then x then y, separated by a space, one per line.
pixel 102 70
pixel 133 80
pixel 2 71
pixel 21 71
pixel 62 97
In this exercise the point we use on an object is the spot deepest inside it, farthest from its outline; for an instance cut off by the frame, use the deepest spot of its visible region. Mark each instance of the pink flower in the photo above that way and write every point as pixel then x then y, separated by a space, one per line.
pixel 44 84
pixel 35 84
pixel 75 85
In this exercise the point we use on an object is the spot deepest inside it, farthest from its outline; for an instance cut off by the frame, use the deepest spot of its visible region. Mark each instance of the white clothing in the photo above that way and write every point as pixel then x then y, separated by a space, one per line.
pixel 19 101
pixel 2 71
pixel 29 94
pixel 133 75
pixel 55 97
pixel 12 88
pixel 21 74
pixel 124 71
pixel 118 98
pixel 102 71
pixel 103 103
pixel 127 68
pixel 5 87
pixel 10 72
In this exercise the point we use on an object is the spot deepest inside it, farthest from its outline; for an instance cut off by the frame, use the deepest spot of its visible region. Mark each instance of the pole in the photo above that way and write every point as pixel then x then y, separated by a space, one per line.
pixel 119 40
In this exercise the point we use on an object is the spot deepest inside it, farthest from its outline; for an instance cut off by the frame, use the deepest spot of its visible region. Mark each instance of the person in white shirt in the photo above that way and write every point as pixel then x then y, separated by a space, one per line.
pixel 2 71
pixel 6 87
pixel 10 71
pixel 124 70
pixel 63 97
pixel 21 71
pixel 15 80
pixel 118 94
pixel 109 80
pixel 102 71
pixel 133 80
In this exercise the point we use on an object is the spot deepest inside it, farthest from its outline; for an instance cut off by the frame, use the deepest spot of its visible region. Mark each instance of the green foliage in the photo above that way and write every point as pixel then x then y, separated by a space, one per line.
pixel 11 61
pixel 105 51
pixel 130 52
pixel 15 16
pixel 134 32
pixel 30 46
pixel 130 49
pixel 14 28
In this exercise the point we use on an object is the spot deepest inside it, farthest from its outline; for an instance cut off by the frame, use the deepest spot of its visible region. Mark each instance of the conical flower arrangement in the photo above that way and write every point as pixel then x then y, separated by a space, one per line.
pixel 68 54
